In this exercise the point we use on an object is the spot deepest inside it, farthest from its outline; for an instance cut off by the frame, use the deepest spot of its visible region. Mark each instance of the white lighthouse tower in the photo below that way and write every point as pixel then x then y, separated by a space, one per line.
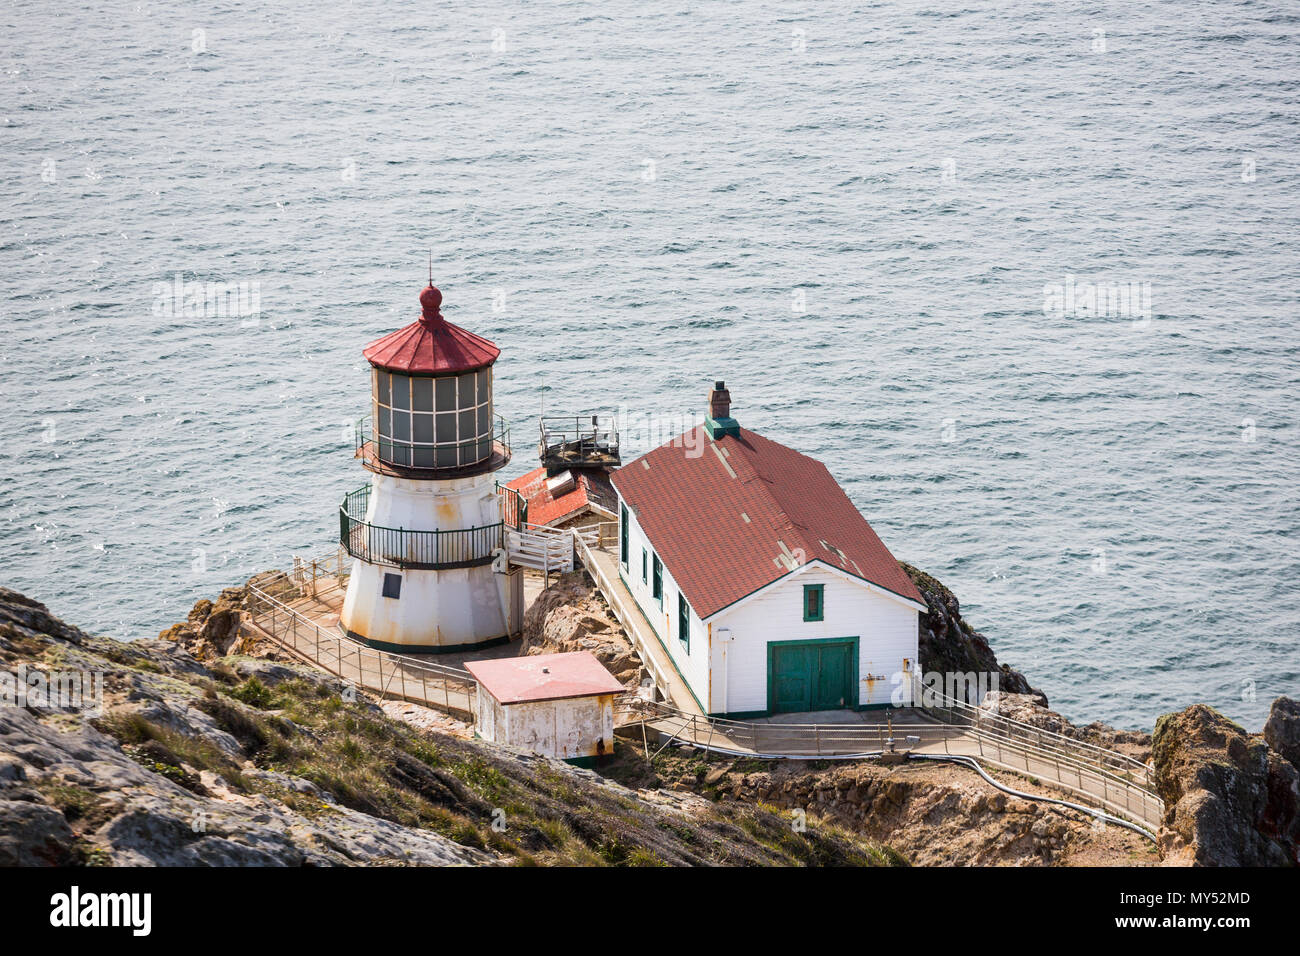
pixel 429 531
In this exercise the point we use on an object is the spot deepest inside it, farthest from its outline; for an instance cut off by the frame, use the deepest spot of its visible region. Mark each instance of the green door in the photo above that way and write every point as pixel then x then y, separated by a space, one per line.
pixel 789 677
pixel 831 684
pixel 812 675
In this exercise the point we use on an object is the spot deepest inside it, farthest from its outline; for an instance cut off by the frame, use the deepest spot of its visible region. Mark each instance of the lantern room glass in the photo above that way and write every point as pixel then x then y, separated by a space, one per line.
pixel 431 422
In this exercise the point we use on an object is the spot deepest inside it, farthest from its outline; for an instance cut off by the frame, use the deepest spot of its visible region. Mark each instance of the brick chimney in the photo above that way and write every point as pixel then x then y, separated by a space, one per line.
pixel 719 401
pixel 720 423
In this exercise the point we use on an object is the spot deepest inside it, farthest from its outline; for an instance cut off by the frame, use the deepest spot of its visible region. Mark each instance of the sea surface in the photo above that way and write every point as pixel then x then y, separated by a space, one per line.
pixel 854 213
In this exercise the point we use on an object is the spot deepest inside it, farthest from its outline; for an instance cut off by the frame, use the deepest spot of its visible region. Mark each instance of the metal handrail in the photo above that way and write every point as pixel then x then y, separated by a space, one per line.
pixel 514 506
pixel 497 440
pixel 1114 760
pixel 582 552
pixel 396 676
pixel 403 548
pixel 591 437
pixel 846 741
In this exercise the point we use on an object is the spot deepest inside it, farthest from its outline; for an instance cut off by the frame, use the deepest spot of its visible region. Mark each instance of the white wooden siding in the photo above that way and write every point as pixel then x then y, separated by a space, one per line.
pixel 886 630
pixel 567 729
pixel 726 666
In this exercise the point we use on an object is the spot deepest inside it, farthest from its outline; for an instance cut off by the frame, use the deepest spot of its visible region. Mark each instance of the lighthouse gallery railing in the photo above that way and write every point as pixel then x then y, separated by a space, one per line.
pixel 423 457
pixel 436 550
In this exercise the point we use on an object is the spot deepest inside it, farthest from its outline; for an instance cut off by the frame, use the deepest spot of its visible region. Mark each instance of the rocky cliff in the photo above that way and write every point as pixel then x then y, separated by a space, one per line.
pixel 571 616
pixel 1232 798
pixel 208 750
pixel 237 760
pixel 949 645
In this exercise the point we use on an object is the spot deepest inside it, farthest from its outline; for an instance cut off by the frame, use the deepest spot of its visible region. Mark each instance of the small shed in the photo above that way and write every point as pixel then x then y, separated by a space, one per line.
pixel 559 705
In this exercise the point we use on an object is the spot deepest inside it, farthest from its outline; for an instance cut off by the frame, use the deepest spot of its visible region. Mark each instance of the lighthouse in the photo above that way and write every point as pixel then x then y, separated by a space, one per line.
pixel 429 531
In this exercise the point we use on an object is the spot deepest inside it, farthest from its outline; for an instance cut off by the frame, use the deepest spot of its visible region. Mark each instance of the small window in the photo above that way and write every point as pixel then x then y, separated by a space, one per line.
pixel 683 621
pixel 813 608
pixel 657 579
pixel 392 585
pixel 645 565
pixel 622 534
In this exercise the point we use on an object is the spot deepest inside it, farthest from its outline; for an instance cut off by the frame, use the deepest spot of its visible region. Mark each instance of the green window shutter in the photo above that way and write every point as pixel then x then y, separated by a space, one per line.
pixel 814 608
pixel 645 563
pixel 683 621
pixel 657 585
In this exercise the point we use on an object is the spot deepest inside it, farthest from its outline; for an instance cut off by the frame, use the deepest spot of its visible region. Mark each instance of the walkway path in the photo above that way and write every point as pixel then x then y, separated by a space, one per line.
pixel 907 729
pixel 301 614
pixel 603 567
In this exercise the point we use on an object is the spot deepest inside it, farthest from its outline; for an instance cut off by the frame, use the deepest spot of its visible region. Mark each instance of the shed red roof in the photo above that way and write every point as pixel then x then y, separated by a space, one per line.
pixel 431 345
pixel 746 512
pixel 514 680
pixel 590 488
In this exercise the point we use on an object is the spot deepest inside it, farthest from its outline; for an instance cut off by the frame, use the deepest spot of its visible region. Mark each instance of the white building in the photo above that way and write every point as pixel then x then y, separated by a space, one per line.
pixel 767 588
pixel 429 530
pixel 559 705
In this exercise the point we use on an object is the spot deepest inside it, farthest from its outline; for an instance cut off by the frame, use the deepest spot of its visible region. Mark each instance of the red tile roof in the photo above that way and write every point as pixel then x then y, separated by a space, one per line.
pixel 590 488
pixel 719 520
pixel 431 345
pixel 514 680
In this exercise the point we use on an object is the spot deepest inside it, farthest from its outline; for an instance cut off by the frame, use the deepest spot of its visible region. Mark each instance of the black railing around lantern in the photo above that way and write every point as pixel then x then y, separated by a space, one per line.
pixel 428 459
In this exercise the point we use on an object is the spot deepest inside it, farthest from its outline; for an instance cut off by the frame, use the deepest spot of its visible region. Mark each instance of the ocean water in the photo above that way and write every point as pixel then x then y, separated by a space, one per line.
pixel 848 211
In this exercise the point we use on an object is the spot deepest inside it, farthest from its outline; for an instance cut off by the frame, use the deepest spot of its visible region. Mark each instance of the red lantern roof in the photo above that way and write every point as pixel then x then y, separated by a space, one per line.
pixel 431 345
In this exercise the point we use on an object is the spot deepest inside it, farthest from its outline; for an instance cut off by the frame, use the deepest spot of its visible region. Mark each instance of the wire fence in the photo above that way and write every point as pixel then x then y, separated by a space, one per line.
pixel 775 740
pixel 996 726
pixel 387 675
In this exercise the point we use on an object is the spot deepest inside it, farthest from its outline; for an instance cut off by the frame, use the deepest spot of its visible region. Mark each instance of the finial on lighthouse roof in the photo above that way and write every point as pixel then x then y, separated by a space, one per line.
pixel 430 302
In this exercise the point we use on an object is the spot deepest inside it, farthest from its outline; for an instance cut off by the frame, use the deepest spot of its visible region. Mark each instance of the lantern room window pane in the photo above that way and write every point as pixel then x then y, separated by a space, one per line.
pixel 422 394
pixel 401 426
pixel 484 385
pixel 401 391
pixel 381 386
pixel 467 432
pixel 447 456
pixel 381 423
pixel 446 393
pixel 423 429
pixel 485 420
pixel 422 457
pixel 467 390
pixel 447 428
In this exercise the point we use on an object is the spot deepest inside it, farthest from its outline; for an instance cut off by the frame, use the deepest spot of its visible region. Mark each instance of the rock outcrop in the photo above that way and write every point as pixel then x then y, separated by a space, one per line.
pixel 570 615
pixel 214 629
pixel 949 645
pixel 1231 799
pixel 1282 729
